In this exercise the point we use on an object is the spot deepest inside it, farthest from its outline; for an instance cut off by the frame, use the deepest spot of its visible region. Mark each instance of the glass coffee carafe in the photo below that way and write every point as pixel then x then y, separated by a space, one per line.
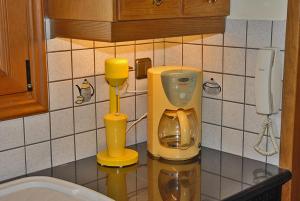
pixel 178 129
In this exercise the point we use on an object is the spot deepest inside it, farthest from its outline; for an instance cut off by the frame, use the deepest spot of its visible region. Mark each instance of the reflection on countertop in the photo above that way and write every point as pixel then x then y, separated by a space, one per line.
pixel 213 176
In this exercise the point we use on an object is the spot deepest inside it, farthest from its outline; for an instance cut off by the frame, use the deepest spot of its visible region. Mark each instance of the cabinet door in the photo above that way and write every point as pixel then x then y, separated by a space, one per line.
pixel 148 9
pixel 13 46
pixel 203 8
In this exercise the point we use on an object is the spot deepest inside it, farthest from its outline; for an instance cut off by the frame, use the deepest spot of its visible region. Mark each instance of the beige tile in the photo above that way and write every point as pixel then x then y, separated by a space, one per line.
pixel 127 106
pixel 159 54
pixel 38 157
pixel 195 39
pixel 76 91
pixel 85 145
pixel 213 39
pixel 101 54
pixel 233 115
pixel 250 91
pixel 12 163
pixel 126 52
pixel 60 95
pixel 192 55
pixel 63 150
pixel 173 54
pixel 141 131
pixel 101 139
pixel 130 136
pixel 102 88
pixel 212 58
pixel 85 118
pixel 217 78
pixel 144 41
pixel 37 128
pixel 250 140
pixel 142 85
pixel 82 44
pixel 83 63
pixel 144 51
pixel 62 123
pixel 11 134
pixel 174 39
pixel 58 44
pixel 233 88
pixel 102 109
pixel 211 110
pixel 104 44
pixel 59 66
pixel 211 136
pixel 129 86
pixel 158 40
pixel 141 102
pixel 232 141
pixel 234 61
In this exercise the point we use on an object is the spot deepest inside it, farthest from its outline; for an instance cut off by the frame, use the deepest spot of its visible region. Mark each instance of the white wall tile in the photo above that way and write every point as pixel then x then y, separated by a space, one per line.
pixel 211 110
pixel 131 135
pixel 279 32
pixel 212 58
pixel 173 54
pixel 127 106
pixel 192 55
pixel 142 85
pixel 101 109
pixel 259 33
pixel 233 88
pixel 250 91
pixel 12 163
pixel 233 115
pixel 250 139
pixel 102 88
pixel 141 102
pixel 38 157
pixel 85 145
pixel 141 131
pixel 58 44
pixel 213 39
pixel 253 121
pixel 37 128
pixel 101 139
pixel 76 91
pixel 159 54
pixel 59 66
pixel 211 136
pixel 251 59
pixel 60 95
pixel 104 44
pixel 63 150
pixel 83 63
pixel 126 52
pixel 11 134
pixel 144 41
pixel 174 39
pixel 194 39
pixel 217 78
pixel 84 118
pixel 82 44
pixel 144 51
pixel 101 54
pixel 235 33
pixel 62 123
pixel 234 61
pixel 232 141
pixel 130 84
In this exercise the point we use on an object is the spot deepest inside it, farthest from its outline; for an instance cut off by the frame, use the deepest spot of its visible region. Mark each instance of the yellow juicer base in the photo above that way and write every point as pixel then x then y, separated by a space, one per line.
pixel 130 157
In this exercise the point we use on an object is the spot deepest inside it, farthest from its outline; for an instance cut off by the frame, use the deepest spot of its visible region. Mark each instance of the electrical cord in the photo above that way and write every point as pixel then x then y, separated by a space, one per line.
pixel 266 129
pixel 130 91
pixel 137 121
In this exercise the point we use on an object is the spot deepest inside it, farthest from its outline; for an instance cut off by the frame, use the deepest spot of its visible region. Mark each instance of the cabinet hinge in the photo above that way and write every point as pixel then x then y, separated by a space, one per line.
pixel 28 75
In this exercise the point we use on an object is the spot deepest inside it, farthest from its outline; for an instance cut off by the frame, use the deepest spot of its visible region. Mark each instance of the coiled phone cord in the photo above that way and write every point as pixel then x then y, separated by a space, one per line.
pixel 266 129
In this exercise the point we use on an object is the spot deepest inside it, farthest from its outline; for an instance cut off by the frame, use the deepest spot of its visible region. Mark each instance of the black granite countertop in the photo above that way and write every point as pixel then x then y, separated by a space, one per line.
pixel 213 176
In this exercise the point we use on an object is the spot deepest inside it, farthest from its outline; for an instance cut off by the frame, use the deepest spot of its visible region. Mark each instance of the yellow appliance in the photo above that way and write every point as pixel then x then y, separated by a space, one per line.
pixel 174 108
pixel 173 182
pixel 116 73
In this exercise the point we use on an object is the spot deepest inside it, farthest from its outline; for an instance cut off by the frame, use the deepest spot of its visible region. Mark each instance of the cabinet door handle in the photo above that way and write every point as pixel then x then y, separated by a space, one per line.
pixel 157 2
pixel 212 1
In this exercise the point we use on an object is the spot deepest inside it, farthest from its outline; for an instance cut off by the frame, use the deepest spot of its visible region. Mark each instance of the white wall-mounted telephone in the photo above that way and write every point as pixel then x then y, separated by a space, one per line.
pixel 268 93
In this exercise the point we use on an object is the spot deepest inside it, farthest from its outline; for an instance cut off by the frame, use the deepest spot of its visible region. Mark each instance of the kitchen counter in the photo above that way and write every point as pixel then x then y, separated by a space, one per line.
pixel 214 176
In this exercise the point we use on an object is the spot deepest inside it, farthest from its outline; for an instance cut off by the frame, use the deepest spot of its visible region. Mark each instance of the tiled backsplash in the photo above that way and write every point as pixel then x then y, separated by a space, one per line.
pixel 72 131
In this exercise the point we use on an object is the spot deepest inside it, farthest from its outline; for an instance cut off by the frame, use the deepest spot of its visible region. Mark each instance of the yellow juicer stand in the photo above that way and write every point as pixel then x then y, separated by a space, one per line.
pixel 116 73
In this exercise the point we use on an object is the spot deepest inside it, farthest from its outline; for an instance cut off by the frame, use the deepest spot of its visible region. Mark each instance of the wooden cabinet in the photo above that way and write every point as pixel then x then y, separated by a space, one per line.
pixel 23 83
pixel 121 20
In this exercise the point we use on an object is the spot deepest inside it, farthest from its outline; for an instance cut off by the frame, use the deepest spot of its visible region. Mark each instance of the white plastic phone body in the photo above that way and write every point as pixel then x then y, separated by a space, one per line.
pixel 268 84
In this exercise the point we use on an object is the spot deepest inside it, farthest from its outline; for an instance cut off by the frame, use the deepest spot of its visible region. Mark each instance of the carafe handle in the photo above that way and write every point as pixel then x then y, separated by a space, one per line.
pixel 184 128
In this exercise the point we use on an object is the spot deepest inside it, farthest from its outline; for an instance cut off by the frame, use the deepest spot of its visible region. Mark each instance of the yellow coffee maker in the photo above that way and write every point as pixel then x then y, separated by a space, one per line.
pixel 174 112
pixel 116 155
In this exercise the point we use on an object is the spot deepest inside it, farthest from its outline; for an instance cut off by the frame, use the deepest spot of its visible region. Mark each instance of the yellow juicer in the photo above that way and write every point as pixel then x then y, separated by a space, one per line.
pixel 174 112
pixel 116 73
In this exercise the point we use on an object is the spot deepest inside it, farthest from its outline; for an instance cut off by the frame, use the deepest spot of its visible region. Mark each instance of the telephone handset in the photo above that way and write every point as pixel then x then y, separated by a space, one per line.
pixel 268 89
